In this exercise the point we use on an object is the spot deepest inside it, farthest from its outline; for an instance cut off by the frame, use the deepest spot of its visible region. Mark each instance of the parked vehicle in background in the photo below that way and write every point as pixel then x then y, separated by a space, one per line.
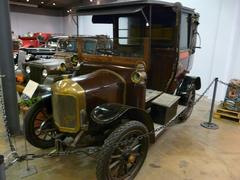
pixel 16 45
pixel 54 41
pixel 38 39
pixel 66 59
pixel 32 54
pixel 46 52
pixel 124 95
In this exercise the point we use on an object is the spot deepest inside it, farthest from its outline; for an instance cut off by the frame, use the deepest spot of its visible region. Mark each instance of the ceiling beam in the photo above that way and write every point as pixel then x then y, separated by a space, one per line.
pixel 39 11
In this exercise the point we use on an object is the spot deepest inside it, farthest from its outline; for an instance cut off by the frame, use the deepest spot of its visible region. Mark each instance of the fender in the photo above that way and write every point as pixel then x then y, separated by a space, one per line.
pixel 43 91
pixel 112 112
pixel 190 80
pixel 47 101
pixel 50 79
pixel 185 86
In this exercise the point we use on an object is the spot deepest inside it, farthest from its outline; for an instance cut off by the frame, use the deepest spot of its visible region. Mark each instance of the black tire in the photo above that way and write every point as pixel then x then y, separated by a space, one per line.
pixel 40 114
pixel 131 157
pixel 190 96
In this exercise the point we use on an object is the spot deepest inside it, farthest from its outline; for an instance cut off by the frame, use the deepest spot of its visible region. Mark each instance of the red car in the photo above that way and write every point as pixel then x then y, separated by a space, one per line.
pixel 37 40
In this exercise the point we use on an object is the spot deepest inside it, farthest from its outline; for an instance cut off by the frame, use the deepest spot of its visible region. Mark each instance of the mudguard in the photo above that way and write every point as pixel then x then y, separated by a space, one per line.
pixel 43 91
pixel 190 80
pixel 114 113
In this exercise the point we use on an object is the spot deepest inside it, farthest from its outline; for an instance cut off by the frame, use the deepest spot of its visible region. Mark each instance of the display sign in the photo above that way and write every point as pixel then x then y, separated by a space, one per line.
pixel 30 88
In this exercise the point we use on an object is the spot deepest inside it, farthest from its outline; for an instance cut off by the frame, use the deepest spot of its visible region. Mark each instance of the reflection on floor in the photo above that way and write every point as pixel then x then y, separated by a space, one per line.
pixel 185 152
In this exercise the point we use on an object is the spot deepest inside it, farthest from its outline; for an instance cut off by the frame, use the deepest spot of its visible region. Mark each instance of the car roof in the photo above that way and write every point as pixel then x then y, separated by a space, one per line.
pixel 123 3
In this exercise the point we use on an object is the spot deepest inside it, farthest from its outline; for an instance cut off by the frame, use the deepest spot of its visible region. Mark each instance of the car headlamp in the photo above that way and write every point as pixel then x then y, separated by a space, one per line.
pixel 63 67
pixel 28 70
pixel 139 76
pixel 28 56
pixel 44 73
pixel 14 55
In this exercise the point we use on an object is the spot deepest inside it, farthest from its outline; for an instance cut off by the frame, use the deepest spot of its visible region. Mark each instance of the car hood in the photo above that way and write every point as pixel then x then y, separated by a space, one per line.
pixel 39 50
pixel 46 62
pixel 64 54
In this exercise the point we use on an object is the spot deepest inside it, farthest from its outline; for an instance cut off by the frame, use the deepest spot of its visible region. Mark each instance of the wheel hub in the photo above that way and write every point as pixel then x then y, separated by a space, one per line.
pixel 132 158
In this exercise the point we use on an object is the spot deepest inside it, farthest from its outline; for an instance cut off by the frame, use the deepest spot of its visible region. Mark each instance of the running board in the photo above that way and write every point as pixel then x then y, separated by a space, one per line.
pixel 180 109
pixel 151 94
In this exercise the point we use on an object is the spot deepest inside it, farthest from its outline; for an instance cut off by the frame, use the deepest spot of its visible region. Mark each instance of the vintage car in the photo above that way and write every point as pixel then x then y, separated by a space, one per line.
pixel 35 40
pixel 65 60
pixel 32 54
pixel 16 45
pixel 24 55
pixel 126 95
pixel 46 52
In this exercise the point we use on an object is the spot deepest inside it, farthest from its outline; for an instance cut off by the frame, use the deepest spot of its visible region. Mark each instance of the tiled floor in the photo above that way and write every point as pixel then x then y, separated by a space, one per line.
pixel 185 152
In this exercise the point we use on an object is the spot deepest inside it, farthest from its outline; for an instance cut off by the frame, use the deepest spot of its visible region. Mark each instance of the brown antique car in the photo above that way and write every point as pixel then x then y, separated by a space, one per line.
pixel 125 95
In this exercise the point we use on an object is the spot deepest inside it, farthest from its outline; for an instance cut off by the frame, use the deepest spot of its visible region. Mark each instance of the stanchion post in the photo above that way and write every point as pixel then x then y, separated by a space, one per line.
pixel 2 168
pixel 210 124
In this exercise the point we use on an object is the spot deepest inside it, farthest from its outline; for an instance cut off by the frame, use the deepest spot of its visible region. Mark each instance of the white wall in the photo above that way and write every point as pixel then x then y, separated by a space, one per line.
pixel 86 27
pixel 22 23
pixel 69 27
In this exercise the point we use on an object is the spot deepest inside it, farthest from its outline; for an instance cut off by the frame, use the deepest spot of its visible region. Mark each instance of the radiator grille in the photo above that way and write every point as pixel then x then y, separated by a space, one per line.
pixel 64 111
pixel 36 74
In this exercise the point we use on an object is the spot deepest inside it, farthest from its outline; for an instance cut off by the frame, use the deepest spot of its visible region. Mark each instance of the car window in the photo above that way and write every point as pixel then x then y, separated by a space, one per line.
pixel 89 46
pixel 130 30
pixel 52 43
pixel 71 46
pixel 184 30
pixel 67 45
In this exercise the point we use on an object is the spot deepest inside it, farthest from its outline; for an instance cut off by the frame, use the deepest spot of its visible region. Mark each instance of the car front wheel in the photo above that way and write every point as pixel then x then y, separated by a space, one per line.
pixel 38 126
pixel 123 152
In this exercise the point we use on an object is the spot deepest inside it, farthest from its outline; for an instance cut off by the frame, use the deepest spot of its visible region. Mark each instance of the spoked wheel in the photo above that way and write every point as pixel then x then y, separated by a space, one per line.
pixel 39 128
pixel 190 95
pixel 123 153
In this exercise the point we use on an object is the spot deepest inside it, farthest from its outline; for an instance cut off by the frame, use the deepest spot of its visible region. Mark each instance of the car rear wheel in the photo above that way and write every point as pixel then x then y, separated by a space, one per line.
pixel 190 96
pixel 123 154
pixel 38 126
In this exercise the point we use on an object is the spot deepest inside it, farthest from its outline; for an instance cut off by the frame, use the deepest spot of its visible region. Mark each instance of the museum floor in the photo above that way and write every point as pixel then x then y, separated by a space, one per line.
pixel 184 152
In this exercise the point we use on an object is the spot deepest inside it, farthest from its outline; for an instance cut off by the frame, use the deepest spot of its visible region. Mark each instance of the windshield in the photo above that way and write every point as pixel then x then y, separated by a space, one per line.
pixel 121 35
pixel 67 45
pixel 52 43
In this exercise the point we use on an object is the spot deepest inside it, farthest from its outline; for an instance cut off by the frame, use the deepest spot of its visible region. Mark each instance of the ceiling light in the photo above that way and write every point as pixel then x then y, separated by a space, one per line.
pixel 91 0
pixel 27 0
pixel 42 2
pixel 54 4
pixel 70 10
